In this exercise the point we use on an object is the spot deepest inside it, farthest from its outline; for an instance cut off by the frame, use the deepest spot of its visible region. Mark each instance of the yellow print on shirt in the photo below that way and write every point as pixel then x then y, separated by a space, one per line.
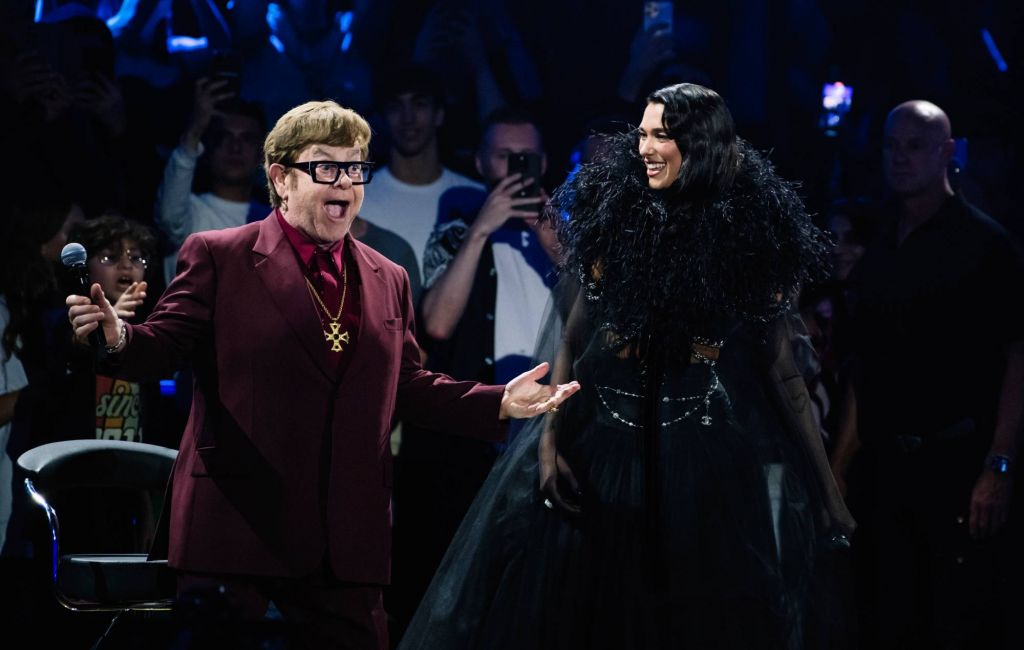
pixel 117 410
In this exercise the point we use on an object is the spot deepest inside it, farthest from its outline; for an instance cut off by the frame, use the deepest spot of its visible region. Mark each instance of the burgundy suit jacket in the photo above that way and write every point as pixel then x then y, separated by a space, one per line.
pixel 252 492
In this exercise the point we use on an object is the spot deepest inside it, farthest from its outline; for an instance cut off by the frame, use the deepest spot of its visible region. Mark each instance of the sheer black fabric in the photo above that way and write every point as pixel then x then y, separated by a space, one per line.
pixel 718 551
pixel 706 496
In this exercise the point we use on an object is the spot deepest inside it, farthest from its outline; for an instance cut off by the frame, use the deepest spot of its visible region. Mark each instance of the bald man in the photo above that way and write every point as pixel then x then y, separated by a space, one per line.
pixel 936 417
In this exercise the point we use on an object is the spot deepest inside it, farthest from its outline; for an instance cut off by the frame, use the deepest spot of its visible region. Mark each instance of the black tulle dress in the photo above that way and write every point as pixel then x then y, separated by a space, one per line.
pixel 700 523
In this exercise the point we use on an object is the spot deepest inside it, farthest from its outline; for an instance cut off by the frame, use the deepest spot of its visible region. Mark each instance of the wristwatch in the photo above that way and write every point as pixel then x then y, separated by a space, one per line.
pixel 999 464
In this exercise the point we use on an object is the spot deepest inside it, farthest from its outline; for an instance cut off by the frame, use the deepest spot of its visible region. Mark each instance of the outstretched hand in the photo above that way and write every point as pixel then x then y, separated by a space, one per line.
pixel 86 315
pixel 525 398
pixel 132 298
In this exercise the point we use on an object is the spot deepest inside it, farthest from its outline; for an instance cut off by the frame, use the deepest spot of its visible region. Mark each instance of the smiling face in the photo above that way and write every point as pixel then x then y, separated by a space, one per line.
pixel 661 154
pixel 324 212
pixel 114 269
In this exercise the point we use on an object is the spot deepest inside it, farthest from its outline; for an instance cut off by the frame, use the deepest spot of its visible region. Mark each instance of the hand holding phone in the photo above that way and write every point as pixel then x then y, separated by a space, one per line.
pixel 529 166
pixel 514 199
pixel 227 67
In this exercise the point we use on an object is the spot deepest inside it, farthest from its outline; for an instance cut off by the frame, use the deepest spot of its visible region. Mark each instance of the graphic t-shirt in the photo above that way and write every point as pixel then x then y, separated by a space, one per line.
pixel 118 409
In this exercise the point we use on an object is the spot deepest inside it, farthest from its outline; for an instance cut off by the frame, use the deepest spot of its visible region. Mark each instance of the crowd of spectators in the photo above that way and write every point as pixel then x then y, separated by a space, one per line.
pixel 130 125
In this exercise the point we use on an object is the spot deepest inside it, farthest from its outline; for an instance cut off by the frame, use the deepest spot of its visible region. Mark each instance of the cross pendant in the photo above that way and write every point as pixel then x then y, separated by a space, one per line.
pixel 336 337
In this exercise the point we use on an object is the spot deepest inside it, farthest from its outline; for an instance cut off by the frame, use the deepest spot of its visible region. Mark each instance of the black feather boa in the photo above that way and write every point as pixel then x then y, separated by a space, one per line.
pixel 652 262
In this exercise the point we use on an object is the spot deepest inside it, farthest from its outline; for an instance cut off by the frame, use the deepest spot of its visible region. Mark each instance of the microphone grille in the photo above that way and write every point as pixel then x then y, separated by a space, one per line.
pixel 73 254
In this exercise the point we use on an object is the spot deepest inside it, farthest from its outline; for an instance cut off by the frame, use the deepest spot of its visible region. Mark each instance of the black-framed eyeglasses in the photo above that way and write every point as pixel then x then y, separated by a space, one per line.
pixel 136 258
pixel 329 171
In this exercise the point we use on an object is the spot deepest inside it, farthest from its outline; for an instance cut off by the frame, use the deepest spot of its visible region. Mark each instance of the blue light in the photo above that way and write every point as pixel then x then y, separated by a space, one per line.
pixel 123 17
pixel 168 387
pixel 993 50
pixel 186 43
pixel 276 42
pixel 274 16
pixel 345 21
pixel 346 42
pixel 230 5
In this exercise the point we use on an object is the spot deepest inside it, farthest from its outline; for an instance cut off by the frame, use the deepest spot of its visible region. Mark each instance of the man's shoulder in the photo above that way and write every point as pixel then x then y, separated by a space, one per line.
pixel 450 178
pixel 980 222
pixel 377 258
pixel 378 237
pixel 226 238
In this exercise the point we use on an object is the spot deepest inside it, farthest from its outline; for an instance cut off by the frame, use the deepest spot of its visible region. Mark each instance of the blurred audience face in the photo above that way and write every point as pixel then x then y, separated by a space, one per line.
pixel 915 151
pixel 661 154
pixel 117 266
pixel 413 120
pixel 236 149
pixel 501 140
pixel 847 251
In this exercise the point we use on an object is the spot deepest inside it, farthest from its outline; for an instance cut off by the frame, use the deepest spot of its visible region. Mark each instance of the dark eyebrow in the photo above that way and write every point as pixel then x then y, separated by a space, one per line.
pixel 659 131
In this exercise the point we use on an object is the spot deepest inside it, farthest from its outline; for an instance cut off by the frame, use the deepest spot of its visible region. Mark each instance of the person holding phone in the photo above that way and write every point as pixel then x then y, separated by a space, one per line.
pixel 224 134
pixel 684 499
pixel 488 273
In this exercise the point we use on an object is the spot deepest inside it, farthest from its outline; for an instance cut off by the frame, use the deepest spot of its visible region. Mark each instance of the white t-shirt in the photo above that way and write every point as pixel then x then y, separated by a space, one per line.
pixel 411 211
pixel 12 378
pixel 181 213
pixel 523 273
pixel 521 265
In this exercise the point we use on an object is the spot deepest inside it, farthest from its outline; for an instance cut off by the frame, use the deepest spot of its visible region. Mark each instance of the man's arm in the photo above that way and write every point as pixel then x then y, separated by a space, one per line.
pixel 174 208
pixel 436 401
pixel 990 499
pixel 167 338
pixel 7 404
pixel 445 300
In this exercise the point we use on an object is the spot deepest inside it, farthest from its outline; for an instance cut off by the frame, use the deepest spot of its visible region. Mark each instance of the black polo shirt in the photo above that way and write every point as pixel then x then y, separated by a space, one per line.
pixel 931 321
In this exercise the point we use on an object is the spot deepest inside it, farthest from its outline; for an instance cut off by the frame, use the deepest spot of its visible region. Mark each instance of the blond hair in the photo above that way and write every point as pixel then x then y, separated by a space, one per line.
pixel 312 123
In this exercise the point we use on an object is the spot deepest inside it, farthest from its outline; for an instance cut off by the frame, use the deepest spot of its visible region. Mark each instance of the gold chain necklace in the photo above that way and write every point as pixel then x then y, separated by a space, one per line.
pixel 334 335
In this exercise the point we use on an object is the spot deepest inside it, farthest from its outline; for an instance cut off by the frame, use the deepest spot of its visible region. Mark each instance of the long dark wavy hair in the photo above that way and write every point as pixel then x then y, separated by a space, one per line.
pixel 702 127
pixel 27 279
pixel 728 241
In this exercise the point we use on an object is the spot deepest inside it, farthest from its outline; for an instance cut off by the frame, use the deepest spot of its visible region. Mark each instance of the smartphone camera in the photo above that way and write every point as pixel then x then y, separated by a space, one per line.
pixel 227 67
pixel 527 164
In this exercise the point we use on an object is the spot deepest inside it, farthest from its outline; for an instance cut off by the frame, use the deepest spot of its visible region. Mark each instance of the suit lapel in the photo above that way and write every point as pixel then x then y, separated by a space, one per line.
pixel 278 269
pixel 372 288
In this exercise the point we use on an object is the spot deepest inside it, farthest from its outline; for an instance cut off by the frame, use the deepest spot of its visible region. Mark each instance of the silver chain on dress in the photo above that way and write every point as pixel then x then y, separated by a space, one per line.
pixel 702 400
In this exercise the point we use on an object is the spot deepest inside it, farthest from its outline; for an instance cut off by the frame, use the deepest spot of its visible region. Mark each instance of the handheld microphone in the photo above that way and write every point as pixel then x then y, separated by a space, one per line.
pixel 74 256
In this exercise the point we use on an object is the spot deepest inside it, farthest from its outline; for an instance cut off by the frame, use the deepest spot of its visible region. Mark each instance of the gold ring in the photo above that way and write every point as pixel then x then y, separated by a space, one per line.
pixel 553 409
